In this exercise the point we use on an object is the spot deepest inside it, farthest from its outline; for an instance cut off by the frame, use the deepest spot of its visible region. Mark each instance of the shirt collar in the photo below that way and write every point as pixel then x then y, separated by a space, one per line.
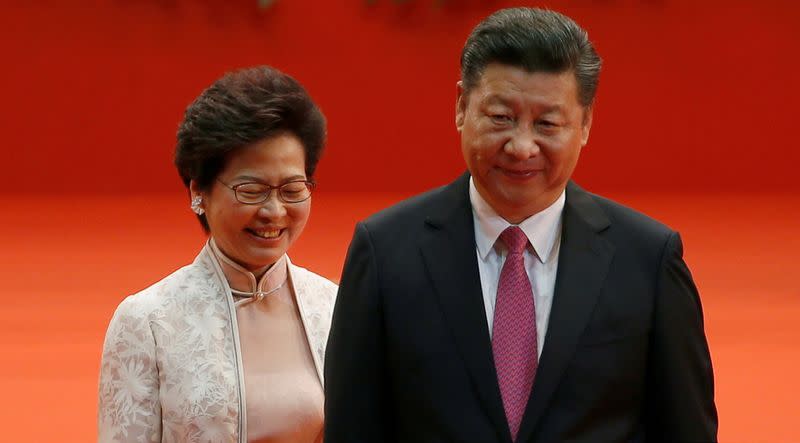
pixel 542 228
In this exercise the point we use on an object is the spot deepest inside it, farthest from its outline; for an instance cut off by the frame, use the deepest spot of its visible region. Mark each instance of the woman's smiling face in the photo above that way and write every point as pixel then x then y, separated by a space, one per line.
pixel 257 235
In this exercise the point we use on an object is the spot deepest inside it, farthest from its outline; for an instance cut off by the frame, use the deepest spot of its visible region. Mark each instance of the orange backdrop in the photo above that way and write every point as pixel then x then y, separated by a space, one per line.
pixel 694 95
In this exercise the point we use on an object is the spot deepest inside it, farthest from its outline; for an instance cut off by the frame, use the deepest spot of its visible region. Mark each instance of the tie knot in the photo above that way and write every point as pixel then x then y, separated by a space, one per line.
pixel 515 239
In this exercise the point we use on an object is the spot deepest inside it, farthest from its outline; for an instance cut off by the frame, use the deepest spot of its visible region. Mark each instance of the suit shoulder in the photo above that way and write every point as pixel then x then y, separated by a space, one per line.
pixel 626 224
pixel 630 217
pixel 411 209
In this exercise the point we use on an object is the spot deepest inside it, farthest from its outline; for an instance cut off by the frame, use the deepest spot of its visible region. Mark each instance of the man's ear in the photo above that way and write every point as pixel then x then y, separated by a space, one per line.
pixel 586 127
pixel 461 106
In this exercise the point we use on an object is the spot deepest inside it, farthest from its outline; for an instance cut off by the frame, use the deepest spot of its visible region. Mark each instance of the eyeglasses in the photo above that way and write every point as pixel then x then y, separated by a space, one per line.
pixel 253 193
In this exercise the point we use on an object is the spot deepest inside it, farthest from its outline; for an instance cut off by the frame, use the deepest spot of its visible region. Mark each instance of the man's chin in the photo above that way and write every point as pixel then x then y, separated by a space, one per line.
pixel 520 206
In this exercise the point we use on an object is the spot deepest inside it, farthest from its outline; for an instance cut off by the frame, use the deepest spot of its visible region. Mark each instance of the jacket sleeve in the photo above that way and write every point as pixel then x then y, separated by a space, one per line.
pixel 680 396
pixel 128 404
pixel 355 372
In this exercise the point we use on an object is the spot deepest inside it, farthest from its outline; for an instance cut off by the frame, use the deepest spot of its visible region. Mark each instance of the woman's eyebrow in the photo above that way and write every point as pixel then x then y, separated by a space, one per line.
pixel 251 178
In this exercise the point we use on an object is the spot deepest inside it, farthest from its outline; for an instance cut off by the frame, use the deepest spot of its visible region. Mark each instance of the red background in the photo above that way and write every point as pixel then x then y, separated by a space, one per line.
pixel 693 95
pixel 694 124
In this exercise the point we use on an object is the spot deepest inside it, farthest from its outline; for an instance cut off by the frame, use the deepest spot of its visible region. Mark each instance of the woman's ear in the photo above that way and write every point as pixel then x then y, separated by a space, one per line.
pixel 196 198
pixel 194 189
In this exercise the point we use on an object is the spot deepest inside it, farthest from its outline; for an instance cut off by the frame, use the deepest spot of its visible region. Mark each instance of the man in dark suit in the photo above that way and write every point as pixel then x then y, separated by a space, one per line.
pixel 511 305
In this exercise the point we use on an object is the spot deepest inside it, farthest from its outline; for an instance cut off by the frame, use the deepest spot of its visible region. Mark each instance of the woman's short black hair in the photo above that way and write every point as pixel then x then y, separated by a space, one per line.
pixel 239 109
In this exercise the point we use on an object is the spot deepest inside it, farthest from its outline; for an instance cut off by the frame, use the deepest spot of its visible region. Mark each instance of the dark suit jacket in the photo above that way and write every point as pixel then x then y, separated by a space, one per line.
pixel 409 357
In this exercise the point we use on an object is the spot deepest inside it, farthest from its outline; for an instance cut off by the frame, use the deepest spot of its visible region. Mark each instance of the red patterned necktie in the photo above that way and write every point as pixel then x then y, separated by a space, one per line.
pixel 514 342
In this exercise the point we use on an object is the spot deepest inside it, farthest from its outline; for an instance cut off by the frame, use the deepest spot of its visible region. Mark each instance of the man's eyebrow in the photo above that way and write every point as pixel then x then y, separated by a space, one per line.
pixel 492 99
pixel 509 101
pixel 551 108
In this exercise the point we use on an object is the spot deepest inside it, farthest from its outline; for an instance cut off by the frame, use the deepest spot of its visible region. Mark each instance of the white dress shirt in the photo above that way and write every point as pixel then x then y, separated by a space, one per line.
pixel 541 260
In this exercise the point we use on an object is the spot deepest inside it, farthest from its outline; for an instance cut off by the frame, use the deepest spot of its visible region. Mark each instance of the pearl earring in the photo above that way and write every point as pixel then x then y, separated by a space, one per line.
pixel 196 208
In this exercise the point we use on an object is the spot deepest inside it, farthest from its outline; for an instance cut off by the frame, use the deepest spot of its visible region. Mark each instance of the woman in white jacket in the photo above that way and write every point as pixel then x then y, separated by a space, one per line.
pixel 230 348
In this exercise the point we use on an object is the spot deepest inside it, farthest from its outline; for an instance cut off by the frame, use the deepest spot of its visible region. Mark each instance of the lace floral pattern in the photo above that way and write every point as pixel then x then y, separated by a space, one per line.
pixel 315 299
pixel 170 371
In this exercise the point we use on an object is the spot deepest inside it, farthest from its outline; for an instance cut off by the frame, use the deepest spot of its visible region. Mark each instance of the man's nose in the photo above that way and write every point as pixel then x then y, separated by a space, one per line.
pixel 523 144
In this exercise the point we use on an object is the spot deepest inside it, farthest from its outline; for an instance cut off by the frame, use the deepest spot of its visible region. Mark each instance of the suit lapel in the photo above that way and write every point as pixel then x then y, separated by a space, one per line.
pixel 451 261
pixel 584 259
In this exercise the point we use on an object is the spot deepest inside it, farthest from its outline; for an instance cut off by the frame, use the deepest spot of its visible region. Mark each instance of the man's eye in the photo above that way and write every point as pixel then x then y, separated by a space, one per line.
pixel 548 124
pixel 501 118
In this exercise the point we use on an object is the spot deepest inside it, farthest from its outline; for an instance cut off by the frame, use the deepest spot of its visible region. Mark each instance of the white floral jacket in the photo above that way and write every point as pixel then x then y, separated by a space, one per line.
pixel 172 366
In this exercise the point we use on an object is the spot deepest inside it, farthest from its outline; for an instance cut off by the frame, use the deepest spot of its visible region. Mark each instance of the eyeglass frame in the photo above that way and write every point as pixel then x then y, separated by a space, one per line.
pixel 310 185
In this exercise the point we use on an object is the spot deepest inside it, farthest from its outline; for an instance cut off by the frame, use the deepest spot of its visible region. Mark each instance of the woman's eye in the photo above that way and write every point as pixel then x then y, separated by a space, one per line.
pixel 251 190
pixel 294 188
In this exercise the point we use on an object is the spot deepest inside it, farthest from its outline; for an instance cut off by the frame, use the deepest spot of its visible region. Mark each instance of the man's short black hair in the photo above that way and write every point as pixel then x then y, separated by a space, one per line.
pixel 537 40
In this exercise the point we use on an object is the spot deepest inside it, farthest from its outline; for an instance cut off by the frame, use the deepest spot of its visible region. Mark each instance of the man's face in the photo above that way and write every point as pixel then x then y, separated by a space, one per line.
pixel 521 135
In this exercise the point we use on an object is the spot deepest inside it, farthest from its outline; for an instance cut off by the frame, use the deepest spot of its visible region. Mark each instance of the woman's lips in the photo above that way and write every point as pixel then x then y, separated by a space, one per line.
pixel 266 234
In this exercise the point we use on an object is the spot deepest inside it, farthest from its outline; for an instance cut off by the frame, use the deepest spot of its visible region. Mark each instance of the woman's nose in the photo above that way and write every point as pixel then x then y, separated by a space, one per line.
pixel 272 206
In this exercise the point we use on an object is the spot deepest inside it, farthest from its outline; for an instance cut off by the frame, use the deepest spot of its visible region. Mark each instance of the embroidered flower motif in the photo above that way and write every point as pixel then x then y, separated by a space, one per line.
pixel 211 430
pixel 130 386
pixel 207 327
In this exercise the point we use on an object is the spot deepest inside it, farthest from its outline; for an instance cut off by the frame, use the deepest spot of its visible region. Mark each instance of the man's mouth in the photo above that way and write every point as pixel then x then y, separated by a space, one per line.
pixel 519 174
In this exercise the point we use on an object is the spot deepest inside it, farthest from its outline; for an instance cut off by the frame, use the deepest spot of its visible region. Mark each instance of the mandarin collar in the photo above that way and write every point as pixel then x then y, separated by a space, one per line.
pixel 244 283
